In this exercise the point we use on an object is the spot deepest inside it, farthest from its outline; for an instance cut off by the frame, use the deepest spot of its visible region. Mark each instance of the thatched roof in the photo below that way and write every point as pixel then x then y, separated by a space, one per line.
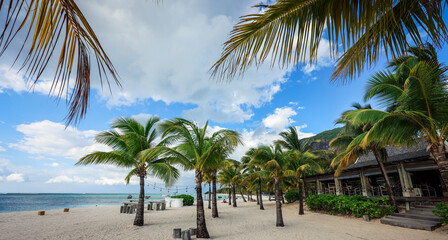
pixel 395 154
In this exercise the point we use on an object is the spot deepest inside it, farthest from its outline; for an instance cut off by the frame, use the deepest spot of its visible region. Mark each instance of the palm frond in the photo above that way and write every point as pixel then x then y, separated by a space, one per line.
pixel 49 24
pixel 290 32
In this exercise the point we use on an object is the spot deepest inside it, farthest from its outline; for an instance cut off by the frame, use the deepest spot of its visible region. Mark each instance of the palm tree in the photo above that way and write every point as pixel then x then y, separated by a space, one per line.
pixel 349 143
pixel 290 31
pixel 197 152
pixel 254 171
pixel 50 24
pixel 421 113
pixel 299 165
pixel 134 146
pixel 231 177
pixel 291 142
pixel 273 162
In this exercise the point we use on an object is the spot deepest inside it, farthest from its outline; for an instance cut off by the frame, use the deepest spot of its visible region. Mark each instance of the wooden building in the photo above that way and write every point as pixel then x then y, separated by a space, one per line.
pixel 410 170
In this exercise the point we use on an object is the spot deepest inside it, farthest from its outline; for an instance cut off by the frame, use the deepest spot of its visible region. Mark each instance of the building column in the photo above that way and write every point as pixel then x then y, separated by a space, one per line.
pixel 319 186
pixel 405 181
pixel 338 186
pixel 364 183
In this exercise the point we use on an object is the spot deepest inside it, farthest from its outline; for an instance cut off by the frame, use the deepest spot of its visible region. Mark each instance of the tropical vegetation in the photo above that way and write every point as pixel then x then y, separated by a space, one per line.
pixel 350 205
pixel 134 146
pixel 197 151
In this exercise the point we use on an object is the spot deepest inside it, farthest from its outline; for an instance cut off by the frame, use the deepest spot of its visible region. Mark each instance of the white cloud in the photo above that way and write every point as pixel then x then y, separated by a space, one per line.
pixel 55 164
pixel 54 139
pixel 280 119
pixel 15 177
pixel 2 149
pixel 169 60
pixel 12 79
pixel 1 178
pixel 110 181
pixel 66 179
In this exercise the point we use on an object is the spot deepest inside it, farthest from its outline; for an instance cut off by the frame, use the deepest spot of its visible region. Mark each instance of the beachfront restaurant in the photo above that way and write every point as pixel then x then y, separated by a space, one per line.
pixel 414 177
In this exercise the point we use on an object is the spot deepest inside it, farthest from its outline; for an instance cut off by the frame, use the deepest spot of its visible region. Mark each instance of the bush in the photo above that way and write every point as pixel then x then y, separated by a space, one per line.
pixel 188 200
pixel 354 205
pixel 292 196
pixel 442 211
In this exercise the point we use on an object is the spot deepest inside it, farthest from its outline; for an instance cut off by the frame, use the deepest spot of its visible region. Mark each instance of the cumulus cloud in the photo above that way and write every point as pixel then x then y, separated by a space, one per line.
pixel 15 177
pixel 66 179
pixel 55 164
pixel 1 178
pixel 12 79
pixel 54 139
pixel 2 149
pixel 173 65
pixel 110 181
pixel 280 119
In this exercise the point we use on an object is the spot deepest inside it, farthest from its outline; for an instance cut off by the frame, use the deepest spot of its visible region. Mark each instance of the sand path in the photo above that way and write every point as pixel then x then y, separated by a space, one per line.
pixel 243 222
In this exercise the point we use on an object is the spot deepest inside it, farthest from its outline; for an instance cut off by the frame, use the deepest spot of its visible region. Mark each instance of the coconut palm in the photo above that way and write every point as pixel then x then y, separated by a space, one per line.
pixel 52 24
pixel 230 176
pixel 299 166
pixel 273 162
pixel 289 32
pixel 254 171
pixel 291 142
pixel 134 147
pixel 197 152
pixel 421 114
pixel 350 145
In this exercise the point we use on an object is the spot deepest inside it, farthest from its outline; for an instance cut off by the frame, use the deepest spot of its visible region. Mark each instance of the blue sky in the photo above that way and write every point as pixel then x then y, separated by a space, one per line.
pixel 162 54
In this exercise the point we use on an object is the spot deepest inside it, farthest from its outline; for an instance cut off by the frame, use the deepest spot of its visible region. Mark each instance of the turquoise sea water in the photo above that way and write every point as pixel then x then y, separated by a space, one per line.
pixel 16 202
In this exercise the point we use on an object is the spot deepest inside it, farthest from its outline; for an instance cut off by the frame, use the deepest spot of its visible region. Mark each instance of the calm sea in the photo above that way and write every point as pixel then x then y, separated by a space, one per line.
pixel 13 202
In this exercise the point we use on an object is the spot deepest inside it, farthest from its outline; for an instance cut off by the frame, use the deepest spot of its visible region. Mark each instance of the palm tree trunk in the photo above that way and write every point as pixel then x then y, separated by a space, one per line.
pixel 281 195
pixel 209 196
pixel 214 200
pixel 258 200
pixel 139 216
pixel 438 154
pixel 261 194
pixel 200 219
pixel 249 196
pixel 242 195
pixel 230 196
pixel 301 212
pixel 305 188
pixel 278 205
pixel 234 196
pixel 386 179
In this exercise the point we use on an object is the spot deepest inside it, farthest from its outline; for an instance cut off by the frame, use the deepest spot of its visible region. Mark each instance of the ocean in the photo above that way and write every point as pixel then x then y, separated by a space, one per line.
pixel 16 202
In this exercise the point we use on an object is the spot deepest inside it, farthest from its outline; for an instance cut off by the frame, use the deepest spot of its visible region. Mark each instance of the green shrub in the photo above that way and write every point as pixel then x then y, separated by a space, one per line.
pixel 442 211
pixel 188 200
pixel 354 205
pixel 292 196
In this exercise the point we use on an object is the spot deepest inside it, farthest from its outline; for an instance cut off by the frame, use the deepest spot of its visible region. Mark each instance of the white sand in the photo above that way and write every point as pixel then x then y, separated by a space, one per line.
pixel 244 222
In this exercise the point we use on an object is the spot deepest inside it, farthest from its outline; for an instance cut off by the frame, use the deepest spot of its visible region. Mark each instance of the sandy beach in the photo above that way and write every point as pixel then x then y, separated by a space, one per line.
pixel 244 222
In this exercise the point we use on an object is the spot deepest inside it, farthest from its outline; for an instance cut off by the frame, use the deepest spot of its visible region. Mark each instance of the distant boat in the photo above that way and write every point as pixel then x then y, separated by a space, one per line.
pixel 147 197
pixel 129 196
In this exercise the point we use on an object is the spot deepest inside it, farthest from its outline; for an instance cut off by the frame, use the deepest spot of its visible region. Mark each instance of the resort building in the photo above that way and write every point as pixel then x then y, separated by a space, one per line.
pixel 413 175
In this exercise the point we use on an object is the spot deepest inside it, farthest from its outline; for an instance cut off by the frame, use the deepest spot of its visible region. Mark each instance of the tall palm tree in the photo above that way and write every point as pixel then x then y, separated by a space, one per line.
pixel 197 151
pixel 290 32
pixel 421 113
pixel 349 143
pixel 51 24
pixel 231 177
pixel 134 146
pixel 291 142
pixel 299 165
pixel 254 171
pixel 273 162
